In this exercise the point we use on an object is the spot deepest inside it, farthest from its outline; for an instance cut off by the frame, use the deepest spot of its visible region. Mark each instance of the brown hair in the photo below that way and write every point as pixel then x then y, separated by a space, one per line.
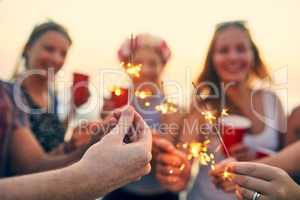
pixel 37 32
pixel 209 73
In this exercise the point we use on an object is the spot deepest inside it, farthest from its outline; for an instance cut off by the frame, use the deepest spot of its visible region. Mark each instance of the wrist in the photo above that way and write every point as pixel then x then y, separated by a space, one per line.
pixel 86 179
pixel 297 192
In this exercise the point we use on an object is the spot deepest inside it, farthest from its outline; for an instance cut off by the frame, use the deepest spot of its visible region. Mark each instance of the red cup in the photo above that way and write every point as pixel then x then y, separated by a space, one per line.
pixel 234 128
pixel 119 97
pixel 263 152
pixel 80 88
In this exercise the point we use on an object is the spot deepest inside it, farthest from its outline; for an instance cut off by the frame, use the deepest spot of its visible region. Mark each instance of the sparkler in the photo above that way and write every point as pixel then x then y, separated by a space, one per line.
pixel 167 106
pixel 143 94
pixel 132 69
pixel 210 118
pixel 227 175
pixel 116 90
pixel 199 151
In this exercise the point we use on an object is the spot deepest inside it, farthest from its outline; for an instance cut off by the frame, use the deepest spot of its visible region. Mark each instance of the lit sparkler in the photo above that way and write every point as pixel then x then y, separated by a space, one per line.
pixel 116 90
pixel 210 118
pixel 199 151
pixel 132 69
pixel 167 106
pixel 143 94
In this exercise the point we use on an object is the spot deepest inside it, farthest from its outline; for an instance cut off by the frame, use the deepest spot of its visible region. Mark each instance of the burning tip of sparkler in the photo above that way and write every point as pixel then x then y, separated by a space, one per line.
pixel 213 167
pixel 132 69
pixel 182 167
pixel 116 90
pixel 224 112
pixel 208 116
pixel 227 175
pixel 167 106
pixel 143 94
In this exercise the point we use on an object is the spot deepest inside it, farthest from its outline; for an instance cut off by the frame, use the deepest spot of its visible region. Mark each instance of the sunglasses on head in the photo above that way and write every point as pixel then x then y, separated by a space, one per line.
pixel 238 23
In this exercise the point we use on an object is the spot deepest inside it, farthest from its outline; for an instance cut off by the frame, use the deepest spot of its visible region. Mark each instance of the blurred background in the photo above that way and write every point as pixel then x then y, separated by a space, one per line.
pixel 98 27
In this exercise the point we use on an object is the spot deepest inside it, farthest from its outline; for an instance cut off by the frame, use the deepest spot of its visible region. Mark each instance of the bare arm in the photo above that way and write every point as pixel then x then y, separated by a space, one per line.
pixel 88 178
pixel 293 126
pixel 27 155
pixel 288 159
pixel 58 184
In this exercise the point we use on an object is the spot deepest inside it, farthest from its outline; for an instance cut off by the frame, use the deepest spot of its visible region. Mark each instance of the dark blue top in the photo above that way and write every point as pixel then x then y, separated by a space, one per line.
pixel 45 125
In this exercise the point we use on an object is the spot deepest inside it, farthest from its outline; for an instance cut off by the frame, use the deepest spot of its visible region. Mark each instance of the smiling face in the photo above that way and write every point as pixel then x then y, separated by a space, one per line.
pixel 49 51
pixel 151 62
pixel 233 56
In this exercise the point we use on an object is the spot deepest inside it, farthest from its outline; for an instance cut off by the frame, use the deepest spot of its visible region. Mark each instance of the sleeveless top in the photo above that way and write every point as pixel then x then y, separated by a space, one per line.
pixel 204 189
pixel 46 126
pixel 11 118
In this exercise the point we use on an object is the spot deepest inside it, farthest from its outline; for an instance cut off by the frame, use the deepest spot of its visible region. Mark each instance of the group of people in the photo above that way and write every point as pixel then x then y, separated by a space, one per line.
pixel 133 152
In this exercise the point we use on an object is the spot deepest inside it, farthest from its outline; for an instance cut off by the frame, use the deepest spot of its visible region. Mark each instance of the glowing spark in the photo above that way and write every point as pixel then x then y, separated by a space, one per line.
pixel 208 116
pixel 167 107
pixel 213 167
pixel 131 69
pixel 224 112
pixel 147 104
pixel 199 151
pixel 182 167
pixel 143 94
pixel 116 90
pixel 227 175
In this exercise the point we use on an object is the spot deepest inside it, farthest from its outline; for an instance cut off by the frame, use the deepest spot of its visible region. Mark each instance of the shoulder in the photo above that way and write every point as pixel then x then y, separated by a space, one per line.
pixel 8 87
pixel 266 98
pixel 296 111
pixel 265 93
pixel 7 93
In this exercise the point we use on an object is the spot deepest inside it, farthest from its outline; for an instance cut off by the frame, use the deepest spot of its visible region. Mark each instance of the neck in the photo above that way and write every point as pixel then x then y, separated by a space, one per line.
pixel 36 83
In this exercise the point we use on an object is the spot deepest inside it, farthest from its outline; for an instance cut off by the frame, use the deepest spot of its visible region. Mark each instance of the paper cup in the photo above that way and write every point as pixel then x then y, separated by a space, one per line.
pixel 233 129
pixel 80 88
pixel 120 98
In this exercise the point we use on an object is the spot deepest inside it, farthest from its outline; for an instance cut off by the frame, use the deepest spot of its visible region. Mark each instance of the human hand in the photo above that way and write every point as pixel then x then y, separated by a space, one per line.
pixel 173 169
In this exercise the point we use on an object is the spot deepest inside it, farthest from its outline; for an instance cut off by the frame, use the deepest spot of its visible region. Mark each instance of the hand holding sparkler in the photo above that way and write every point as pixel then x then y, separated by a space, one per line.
pixel 134 157
pixel 172 166
pixel 222 177
pixel 260 181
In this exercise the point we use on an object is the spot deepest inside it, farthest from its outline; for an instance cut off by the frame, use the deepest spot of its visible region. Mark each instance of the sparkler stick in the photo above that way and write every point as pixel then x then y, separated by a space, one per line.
pixel 132 69
pixel 208 116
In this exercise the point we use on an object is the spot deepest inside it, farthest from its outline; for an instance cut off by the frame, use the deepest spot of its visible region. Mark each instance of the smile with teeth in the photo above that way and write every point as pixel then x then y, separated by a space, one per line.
pixel 234 68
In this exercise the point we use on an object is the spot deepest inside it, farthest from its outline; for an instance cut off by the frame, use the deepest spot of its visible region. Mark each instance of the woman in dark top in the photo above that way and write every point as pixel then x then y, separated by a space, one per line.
pixel 47 127
pixel 44 55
